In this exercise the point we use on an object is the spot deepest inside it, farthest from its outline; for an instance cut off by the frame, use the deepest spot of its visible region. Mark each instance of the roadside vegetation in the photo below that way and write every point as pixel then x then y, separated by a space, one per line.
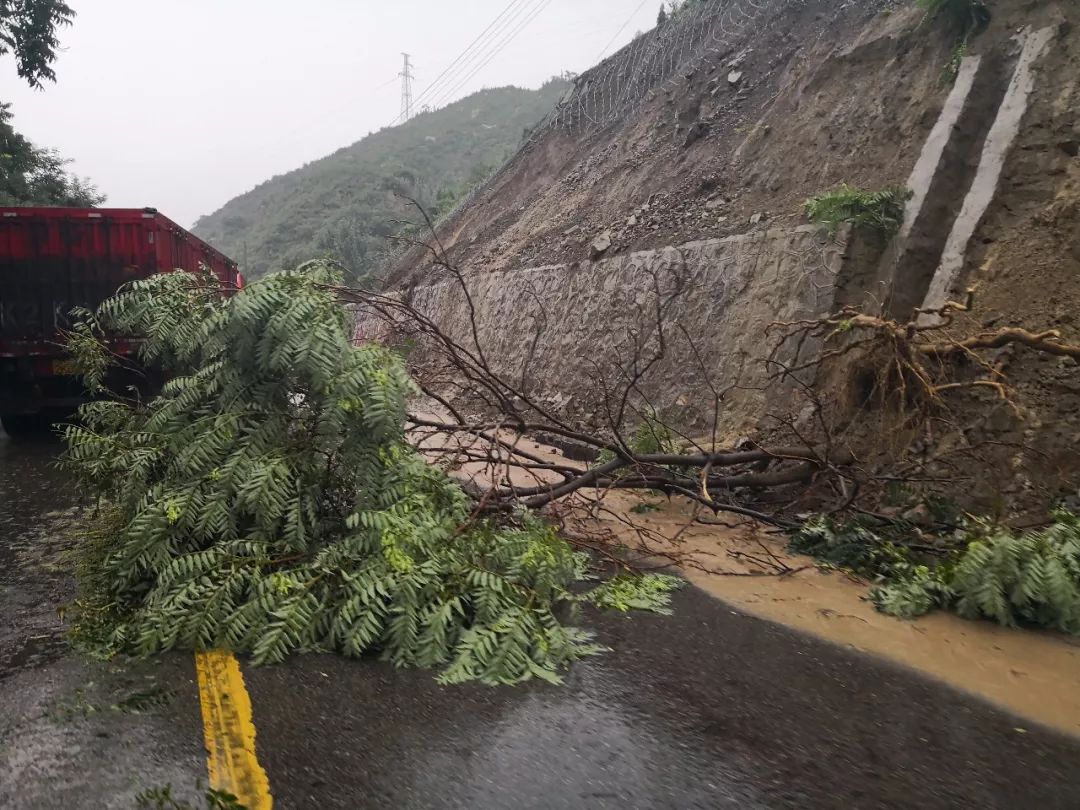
pixel 29 30
pixel 30 174
pixel 880 212
pixel 162 798
pixel 267 501
pixel 982 570
pixel 348 205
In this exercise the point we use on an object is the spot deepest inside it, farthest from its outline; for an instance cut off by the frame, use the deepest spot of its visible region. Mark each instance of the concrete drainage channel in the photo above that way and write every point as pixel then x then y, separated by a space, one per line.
pixel 956 177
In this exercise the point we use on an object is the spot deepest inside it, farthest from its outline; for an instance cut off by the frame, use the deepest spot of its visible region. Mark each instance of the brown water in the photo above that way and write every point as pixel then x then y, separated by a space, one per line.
pixel 1031 672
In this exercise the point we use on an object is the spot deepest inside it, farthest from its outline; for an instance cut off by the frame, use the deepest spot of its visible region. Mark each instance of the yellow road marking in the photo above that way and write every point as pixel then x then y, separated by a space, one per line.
pixel 229 730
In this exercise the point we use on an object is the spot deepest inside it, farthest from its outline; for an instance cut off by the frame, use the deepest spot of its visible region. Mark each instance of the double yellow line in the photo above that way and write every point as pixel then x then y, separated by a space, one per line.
pixel 229 731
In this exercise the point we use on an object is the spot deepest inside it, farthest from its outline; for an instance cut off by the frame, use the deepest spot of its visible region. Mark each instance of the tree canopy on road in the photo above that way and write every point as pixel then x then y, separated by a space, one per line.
pixel 268 502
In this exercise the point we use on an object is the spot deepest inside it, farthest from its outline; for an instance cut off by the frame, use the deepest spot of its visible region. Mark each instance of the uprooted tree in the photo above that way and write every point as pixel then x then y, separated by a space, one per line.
pixel 276 496
pixel 478 416
pixel 860 389
pixel 478 413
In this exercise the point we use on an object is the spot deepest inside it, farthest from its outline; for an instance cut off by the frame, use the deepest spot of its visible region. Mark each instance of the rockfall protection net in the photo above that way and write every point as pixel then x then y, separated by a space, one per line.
pixel 654 62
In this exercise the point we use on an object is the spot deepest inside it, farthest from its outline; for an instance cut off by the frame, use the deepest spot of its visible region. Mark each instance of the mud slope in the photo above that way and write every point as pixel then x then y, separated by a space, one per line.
pixel 804 96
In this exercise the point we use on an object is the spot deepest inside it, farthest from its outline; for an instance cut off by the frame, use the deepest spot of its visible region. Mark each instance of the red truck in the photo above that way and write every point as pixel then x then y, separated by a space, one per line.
pixel 54 259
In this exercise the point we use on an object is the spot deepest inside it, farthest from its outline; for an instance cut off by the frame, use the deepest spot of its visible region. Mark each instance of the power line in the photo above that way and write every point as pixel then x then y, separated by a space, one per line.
pixel 629 19
pixel 385 84
pixel 454 65
pixel 530 16
pixel 477 49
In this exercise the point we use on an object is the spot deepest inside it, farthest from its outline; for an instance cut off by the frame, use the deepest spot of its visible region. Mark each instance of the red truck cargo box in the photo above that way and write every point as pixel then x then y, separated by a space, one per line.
pixel 55 259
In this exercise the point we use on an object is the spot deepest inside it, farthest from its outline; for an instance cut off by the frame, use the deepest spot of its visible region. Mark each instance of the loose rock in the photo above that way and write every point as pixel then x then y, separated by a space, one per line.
pixel 600 245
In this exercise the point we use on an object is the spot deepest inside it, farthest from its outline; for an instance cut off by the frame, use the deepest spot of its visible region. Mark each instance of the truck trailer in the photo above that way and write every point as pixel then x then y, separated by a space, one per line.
pixel 55 259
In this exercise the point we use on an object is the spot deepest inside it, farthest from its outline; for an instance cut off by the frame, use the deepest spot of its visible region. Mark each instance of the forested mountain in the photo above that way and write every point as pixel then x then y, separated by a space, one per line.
pixel 348 203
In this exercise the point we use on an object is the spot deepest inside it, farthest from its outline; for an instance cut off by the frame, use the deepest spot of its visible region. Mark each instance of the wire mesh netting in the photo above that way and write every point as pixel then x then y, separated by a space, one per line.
pixel 653 62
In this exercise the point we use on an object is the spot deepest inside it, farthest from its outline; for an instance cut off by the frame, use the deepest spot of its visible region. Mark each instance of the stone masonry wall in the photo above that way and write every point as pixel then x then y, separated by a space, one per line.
pixel 723 292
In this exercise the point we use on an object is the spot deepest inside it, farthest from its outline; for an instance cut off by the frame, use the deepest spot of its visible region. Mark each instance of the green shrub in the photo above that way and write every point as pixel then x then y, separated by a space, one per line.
pixel 956 58
pixel 961 16
pixel 1033 577
pixel 911 593
pixel 994 573
pixel 651 437
pixel 851 546
pixel 162 798
pixel 633 592
pixel 878 211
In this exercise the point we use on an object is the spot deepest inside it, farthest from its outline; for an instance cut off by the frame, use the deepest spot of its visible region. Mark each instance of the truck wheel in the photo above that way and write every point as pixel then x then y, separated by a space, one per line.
pixel 17 425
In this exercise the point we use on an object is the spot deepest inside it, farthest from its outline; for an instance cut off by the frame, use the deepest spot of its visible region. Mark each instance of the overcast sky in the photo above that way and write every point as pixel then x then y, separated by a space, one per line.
pixel 184 105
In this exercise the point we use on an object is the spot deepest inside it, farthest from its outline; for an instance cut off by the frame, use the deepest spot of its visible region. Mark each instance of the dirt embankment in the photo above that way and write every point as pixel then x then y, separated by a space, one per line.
pixel 1025 263
pixel 807 96
pixel 812 95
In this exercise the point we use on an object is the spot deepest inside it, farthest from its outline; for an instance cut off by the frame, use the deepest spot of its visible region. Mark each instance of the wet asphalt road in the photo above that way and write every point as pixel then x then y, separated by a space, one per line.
pixel 75 733
pixel 708 708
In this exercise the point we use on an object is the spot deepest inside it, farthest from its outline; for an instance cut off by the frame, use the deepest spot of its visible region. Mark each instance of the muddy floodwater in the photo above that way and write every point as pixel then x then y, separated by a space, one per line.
pixel 707 708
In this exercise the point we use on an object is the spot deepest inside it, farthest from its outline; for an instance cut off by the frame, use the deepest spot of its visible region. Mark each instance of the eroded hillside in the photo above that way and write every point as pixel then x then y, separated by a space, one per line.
pixel 755 117
pixel 681 163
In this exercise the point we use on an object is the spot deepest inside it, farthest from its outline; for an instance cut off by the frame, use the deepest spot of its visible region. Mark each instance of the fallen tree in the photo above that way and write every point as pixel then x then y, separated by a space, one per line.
pixel 481 418
pixel 278 497
pixel 267 501
pixel 852 393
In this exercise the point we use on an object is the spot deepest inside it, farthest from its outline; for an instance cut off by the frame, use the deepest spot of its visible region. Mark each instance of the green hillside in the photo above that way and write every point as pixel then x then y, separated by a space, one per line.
pixel 347 204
